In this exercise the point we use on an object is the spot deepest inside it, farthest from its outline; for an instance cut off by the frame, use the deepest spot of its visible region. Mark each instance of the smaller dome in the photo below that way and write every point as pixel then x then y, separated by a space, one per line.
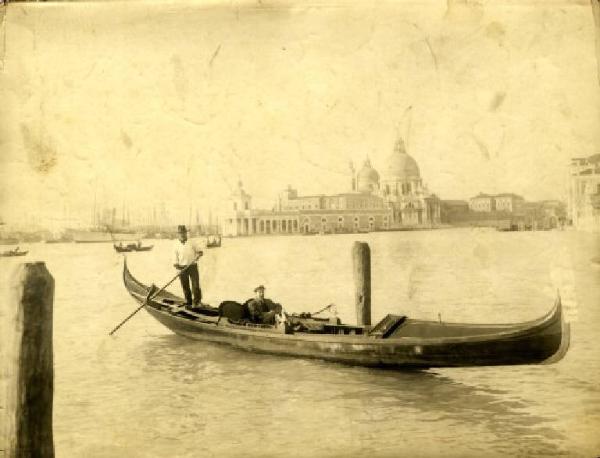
pixel 367 178
pixel 367 172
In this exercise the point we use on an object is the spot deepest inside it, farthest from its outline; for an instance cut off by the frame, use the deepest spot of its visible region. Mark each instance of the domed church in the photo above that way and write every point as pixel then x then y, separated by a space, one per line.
pixel 401 188
pixel 396 200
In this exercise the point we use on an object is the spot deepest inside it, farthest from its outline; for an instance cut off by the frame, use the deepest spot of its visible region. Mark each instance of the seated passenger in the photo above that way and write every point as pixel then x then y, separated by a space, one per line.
pixel 261 309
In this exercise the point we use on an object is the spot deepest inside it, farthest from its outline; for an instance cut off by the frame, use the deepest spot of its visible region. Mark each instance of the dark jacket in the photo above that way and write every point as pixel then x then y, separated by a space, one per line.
pixel 257 308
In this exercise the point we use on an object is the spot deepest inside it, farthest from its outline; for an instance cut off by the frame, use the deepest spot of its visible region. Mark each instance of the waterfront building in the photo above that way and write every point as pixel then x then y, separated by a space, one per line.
pixel 482 203
pixel 554 213
pixel 509 211
pixel 584 193
pixel 454 211
pixel 339 213
pixel 241 219
pixel 507 202
pixel 398 199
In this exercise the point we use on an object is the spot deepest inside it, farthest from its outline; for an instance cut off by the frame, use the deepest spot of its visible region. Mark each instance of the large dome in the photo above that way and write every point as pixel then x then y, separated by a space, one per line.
pixel 399 166
pixel 367 178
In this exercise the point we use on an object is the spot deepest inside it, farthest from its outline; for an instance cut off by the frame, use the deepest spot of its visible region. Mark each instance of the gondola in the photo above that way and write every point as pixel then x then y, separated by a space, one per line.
pixel 395 342
pixel 131 247
pixel 14 252
pixel 213 241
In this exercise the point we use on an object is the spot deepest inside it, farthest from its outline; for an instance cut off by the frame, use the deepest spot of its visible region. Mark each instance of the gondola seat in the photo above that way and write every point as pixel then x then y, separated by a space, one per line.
pixel 234 311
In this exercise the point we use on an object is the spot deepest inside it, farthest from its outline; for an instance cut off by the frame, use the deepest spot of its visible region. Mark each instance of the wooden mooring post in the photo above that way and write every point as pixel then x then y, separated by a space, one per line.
pixel 30 369
pixel 361 260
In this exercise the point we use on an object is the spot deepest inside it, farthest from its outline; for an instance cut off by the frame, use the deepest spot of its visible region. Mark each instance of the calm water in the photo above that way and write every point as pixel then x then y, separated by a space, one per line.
pixel 149 393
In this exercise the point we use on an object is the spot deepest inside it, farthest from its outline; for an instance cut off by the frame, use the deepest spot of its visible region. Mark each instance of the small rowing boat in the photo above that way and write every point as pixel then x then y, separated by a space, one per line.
pixel 120 248
pixel 213 241
pixel 15 252
pixel 395 342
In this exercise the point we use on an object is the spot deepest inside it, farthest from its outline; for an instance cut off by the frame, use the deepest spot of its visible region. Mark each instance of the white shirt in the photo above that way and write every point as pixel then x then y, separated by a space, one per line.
pixel 185 253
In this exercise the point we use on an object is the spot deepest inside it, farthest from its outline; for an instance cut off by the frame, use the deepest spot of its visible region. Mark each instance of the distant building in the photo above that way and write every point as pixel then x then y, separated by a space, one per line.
pixel 554 213
pixel 482 203
pixel 347 212
pixel 340 213
pixel 242 219
pixel 542 215
pixel 510 211
pixel 507 202
pixel 398 199
pixel 584 193
pixel 454 211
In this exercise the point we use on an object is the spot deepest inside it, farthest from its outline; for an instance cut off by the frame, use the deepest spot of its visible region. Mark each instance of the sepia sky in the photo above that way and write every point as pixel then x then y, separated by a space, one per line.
pixel 140 103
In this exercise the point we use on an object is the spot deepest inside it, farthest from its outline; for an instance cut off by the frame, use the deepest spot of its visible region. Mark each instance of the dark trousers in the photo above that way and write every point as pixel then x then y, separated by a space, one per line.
pixel 191 273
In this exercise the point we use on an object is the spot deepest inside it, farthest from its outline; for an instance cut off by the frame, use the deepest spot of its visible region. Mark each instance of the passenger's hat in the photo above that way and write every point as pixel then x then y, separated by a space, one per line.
pixel 181 228
pixel 259 287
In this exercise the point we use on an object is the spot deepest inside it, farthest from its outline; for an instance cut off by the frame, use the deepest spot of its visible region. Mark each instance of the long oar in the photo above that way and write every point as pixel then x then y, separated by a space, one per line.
pixel 152 294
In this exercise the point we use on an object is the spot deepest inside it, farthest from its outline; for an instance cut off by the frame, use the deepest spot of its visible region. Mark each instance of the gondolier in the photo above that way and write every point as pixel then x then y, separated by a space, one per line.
pixel 186 253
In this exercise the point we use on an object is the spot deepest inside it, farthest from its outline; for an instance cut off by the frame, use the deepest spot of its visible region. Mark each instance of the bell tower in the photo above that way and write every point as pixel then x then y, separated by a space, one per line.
pixel 240 200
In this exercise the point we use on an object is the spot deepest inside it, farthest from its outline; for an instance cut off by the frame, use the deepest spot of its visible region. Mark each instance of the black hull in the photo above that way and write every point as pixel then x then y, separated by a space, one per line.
pixel 131 250
pixel 447 345
pixel 8 255
pixel 385 354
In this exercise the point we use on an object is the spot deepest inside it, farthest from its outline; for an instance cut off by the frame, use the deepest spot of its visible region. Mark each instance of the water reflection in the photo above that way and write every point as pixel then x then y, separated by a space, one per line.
pixel 278 390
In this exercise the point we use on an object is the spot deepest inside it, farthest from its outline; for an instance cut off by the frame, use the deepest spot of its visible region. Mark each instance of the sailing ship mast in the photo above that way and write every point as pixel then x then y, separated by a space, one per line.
pixel 94 216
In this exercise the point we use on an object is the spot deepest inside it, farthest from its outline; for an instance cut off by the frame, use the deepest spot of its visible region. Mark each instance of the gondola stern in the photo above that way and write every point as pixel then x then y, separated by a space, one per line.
pixel 557 317
pixel 126 272
pixel 563 348
pixel 558 311
pixel 128 278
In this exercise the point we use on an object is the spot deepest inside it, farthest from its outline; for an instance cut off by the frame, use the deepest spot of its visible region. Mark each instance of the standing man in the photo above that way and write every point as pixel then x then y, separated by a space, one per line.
pixel 186 253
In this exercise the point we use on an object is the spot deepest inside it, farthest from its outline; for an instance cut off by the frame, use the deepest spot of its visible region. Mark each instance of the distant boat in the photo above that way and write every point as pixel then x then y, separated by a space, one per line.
pixel 9 241
pixel 213 241
pixel 99 236
pixel 511 228
pixel 15 252
pixel 132 247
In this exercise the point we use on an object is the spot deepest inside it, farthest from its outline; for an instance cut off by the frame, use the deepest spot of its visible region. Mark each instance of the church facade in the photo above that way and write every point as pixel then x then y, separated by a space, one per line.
pixel 395 200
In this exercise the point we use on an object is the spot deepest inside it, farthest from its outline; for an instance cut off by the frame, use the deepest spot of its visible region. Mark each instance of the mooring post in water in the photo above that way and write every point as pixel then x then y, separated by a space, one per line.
pixel 28 408
pixel 361 257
